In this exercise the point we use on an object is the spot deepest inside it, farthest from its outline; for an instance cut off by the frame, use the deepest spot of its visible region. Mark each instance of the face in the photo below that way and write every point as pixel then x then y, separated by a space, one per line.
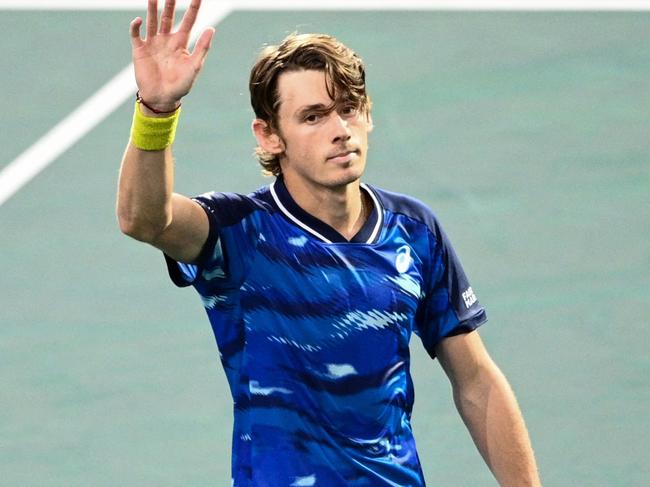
pixel 319 146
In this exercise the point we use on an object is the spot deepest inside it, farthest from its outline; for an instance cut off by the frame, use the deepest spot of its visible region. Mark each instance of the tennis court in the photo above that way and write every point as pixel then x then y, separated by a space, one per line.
pixel 527 133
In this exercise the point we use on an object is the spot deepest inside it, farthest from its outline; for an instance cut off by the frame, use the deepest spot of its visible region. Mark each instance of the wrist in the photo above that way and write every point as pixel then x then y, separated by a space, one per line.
pixel 157 109
pixel 153 133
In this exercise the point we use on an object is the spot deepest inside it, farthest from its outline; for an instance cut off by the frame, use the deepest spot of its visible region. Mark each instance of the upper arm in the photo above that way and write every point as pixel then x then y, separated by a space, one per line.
pixel 184 237
pixel 463 358
pixel 449 306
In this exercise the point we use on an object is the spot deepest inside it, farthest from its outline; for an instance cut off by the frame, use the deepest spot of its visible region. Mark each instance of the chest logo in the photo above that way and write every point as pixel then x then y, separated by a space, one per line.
pixel 403 259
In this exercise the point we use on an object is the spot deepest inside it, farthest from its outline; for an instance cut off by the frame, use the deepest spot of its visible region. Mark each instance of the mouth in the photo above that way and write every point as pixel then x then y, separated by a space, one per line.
pixel 344 156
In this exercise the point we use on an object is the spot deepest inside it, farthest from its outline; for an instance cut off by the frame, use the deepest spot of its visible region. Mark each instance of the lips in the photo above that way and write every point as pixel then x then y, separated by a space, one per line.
pixel 343 156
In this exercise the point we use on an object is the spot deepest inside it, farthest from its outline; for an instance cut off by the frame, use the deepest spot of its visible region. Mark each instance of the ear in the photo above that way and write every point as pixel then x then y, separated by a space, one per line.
pixel 267 139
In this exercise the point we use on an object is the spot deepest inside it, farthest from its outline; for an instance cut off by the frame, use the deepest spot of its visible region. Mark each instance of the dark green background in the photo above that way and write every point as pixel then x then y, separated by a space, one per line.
pixel 527 133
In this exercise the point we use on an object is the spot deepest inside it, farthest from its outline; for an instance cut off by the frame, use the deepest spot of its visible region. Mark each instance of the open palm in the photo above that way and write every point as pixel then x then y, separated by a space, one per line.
pixel 165 69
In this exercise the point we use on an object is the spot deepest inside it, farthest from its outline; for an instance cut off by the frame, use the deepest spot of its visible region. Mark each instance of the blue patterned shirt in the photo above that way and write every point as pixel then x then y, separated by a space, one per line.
pixel 313 333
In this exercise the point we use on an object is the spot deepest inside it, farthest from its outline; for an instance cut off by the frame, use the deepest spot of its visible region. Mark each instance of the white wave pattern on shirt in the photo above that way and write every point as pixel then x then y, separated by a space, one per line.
pixel 217 256
pixel 298 241
pixel 216 272
pixel 360 320
pixel 248 287
pixel 211 301
pixel 338 371
pixel 217 253
pixel 307 481
pixel 407 284
pixel 188 270
pixel 293 343
pixel 256 389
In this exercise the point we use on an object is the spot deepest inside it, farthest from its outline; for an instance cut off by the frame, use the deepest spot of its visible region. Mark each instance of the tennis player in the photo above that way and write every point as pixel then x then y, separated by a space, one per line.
pixel 315 283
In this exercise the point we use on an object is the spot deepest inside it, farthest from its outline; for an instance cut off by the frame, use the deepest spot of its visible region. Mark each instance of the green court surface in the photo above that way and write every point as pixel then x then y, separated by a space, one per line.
pixel 526 132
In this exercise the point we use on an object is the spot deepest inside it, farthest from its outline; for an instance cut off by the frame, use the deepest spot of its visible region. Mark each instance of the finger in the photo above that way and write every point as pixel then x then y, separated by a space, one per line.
pixel 152 18
pixel 190 17
pixel 202 46
pixel 167 17
pixel 136 41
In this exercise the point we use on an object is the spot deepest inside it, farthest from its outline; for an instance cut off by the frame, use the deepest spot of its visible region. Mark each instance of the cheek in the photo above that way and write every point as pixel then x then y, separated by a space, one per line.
pixel 301 144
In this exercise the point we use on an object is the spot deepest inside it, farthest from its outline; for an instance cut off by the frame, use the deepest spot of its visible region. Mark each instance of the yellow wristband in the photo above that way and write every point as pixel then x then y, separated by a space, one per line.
pixel 149 133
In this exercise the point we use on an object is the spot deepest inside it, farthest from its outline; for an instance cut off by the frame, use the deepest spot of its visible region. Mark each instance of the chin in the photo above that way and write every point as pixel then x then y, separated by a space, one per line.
pixel 345 177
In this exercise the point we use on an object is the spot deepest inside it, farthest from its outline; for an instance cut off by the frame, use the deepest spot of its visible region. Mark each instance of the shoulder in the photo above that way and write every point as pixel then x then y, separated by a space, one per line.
pixel 229 208
pixel 408 207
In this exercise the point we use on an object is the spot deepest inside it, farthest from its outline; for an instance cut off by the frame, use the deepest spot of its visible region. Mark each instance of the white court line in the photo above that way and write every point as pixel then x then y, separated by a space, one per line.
pixel 338 4
pixel 89 114
pixel 64 134
pixel 99 106
pixel 440 5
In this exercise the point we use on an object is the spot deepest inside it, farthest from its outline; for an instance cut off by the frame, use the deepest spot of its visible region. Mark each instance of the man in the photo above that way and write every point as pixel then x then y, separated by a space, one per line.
pixel 314 284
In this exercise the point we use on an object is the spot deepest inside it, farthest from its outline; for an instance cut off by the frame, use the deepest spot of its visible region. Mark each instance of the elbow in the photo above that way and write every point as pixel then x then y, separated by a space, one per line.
pixel 476 388
pixel 140 229
pixel 129 228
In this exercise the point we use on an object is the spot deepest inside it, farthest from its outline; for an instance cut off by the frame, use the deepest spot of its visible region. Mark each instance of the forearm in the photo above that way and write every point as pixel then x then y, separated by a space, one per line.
pixel 145 192
pixel 490 411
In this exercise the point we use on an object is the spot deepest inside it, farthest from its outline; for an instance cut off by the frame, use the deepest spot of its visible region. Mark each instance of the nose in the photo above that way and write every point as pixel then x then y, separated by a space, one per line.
pixel 340 128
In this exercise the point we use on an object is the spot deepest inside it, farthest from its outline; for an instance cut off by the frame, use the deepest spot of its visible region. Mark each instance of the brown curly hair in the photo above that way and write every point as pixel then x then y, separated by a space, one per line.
pixel 345 78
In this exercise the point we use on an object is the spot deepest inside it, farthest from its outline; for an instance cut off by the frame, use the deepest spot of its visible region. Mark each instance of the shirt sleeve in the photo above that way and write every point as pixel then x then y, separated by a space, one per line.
pixel 449 305
pixel 226 255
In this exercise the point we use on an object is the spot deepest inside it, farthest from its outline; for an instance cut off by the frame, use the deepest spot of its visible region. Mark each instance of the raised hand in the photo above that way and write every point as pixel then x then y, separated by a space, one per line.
pixel 165 69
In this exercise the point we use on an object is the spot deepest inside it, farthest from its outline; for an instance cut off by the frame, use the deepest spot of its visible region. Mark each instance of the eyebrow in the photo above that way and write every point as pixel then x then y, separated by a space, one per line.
pixel 316 107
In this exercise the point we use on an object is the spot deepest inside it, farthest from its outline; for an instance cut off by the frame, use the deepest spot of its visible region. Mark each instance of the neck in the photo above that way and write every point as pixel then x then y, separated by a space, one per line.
pixel 344 208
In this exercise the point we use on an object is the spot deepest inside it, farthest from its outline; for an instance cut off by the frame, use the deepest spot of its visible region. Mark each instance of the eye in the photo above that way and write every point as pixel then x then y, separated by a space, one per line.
pixel 349 110
pixel 312 118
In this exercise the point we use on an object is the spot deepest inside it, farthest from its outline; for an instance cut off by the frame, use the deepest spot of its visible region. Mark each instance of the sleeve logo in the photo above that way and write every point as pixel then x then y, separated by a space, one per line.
pixel 469 297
